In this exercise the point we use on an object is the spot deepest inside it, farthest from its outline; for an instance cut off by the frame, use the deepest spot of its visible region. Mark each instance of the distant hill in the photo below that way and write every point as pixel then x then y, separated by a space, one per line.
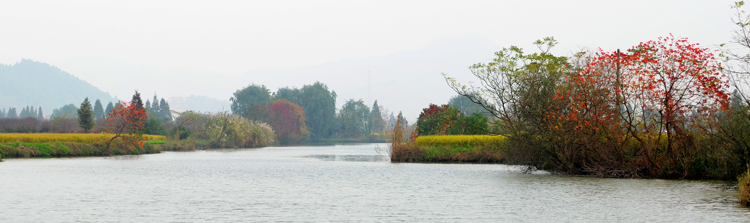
pixel 198 103
pixel 32 83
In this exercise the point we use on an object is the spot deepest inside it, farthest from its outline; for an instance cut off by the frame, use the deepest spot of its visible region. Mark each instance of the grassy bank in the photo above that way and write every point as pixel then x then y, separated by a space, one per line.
pixel 67 149
pixel 15 145
pixel 451 148
pixel 62 137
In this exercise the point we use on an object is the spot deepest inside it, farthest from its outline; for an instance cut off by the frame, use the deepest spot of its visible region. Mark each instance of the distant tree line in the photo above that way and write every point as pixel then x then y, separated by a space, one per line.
pixel 26 112
pixel 317 120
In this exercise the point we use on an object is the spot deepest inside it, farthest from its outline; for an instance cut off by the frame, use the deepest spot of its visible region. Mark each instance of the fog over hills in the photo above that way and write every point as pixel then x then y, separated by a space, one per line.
pixel 402 81
pixel 31 83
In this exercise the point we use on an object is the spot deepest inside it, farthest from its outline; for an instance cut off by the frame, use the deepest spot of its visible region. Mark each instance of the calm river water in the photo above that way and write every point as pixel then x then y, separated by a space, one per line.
pixel 343 183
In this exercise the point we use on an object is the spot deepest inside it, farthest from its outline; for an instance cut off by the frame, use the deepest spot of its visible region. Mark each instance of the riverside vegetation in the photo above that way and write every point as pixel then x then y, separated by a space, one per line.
pixel 665 108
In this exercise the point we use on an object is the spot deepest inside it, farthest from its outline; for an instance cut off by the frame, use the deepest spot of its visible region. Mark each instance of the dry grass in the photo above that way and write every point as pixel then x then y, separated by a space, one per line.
pixel 744 187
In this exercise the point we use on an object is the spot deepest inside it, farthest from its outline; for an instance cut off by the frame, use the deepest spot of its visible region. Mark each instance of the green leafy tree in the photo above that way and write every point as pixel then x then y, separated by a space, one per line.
pixel 98 110
pixel 86 116
pixel 319 104
pixel 354 119
pixel 69 111
pixel 243 100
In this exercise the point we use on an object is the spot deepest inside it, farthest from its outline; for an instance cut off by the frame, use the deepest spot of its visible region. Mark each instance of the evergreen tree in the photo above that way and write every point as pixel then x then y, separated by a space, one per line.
pixel 155 108
pixel 98 109
pixel 12 113
pixel 23 112
pixel 148 105
pixel 40 115
pixel 377 123
pixel 2 113
pixel 166 113
pixel 109 109
pixel 86 116
pixel 137 100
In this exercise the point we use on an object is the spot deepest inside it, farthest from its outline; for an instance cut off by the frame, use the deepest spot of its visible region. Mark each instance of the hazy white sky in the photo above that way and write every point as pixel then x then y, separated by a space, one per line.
pixel 233 37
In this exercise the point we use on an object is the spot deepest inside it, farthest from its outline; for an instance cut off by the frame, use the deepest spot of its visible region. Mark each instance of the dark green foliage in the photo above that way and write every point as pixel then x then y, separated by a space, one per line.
pixel 109 109
pixel 378 124
pixel 40 115
pixel 98 110
pixel 154 126
pixel 137 100
pixel 246 98
pixel 447 120
pixel 319 105
pixel 165 113
pixel 12 113
pixel 354 119
pixel 69 111
pixel 86 116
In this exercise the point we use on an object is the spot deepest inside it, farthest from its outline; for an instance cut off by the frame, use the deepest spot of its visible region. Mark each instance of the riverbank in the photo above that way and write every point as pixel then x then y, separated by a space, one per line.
pixel 451 149
pixel 26 145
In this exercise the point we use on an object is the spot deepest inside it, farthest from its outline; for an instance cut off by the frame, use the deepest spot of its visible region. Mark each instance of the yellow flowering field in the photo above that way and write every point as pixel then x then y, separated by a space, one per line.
pixel 459 140
pixel 62 137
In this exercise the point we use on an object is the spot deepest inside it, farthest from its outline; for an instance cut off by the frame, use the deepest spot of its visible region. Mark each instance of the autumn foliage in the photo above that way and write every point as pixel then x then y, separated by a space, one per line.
pixel 287 120
pixel 125 121
pixel 643 102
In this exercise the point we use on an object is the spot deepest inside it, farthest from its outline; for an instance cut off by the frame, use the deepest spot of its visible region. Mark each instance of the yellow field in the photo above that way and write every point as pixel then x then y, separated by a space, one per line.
pixel 62 137
pixel 459 140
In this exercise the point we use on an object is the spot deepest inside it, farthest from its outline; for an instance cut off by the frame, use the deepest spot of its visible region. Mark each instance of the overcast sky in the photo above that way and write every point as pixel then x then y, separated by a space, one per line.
pixel 233 37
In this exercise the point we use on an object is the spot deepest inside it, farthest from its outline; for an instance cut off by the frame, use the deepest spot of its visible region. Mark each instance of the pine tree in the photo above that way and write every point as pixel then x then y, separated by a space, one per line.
pixel 155 108
pixel 2 113
pixel 109 109
pixel 98 110
pixel 23 112
pixel 12 113
pixel 137 100
pixel 148 105
pixel 40 116
pixel 166 113
pixel 86 116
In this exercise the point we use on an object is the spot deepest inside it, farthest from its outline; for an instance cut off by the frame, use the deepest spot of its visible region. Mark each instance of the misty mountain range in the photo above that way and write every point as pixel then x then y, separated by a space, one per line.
pixel 403 81
pixel 31 83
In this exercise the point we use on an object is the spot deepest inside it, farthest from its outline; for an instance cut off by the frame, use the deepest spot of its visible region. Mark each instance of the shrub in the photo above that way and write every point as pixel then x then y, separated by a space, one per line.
pixel 744 186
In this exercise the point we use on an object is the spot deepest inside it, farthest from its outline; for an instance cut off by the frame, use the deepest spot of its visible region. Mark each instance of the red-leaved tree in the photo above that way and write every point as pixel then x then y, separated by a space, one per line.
pixel 126 122
pixel 652 93
pixel 287 120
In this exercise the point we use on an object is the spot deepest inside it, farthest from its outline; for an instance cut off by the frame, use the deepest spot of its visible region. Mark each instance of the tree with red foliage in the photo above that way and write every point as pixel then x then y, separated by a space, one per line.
pixel 647 93
pixel 288 121
pixel 126 122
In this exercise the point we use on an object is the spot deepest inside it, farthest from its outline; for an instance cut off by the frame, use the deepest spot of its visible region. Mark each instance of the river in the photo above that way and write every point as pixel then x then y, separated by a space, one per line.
pixel 341 183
